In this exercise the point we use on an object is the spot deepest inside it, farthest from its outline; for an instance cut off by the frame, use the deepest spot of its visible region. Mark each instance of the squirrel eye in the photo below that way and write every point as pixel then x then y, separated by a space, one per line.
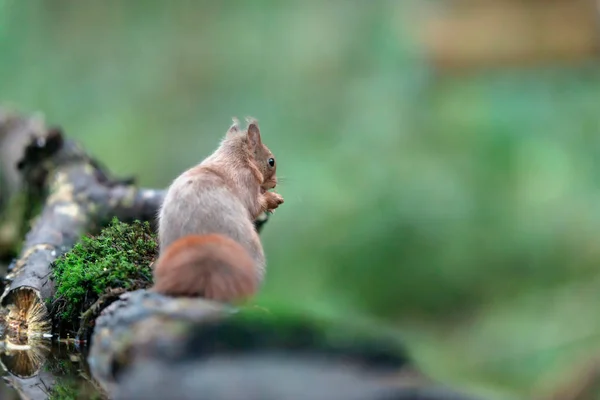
pixel 271 162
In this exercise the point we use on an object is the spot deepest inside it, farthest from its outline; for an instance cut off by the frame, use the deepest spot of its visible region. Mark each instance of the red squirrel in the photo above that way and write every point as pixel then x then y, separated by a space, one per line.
pixel 208 244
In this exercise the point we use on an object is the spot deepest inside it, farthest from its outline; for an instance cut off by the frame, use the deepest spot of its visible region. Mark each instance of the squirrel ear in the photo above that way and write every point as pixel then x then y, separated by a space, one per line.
pixel 235 128
pixel 253 133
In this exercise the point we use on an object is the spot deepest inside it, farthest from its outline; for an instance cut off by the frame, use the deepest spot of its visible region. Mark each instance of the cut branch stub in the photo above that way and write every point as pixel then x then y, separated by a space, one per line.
pixel 79 197
pixel 16 132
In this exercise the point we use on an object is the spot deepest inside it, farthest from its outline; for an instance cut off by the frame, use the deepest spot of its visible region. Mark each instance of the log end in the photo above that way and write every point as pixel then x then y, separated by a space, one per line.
pixel 26 316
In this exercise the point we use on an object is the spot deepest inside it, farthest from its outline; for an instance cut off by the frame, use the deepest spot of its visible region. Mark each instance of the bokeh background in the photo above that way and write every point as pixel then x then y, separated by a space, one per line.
pixel 440 161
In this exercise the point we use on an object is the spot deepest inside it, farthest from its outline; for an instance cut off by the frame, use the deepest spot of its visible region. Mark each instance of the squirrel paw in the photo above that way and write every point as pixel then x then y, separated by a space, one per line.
pixel 272 200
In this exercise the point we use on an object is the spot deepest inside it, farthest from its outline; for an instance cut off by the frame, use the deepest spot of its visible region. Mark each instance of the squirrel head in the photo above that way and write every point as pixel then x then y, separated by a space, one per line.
pixel 259 154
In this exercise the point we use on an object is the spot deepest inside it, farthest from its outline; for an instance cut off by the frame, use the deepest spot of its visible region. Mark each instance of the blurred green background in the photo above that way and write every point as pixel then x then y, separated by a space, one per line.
pixel 462 210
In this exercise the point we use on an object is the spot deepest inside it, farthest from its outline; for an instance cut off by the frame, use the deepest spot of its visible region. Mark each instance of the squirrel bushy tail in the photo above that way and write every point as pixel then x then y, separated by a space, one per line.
pixel 211 266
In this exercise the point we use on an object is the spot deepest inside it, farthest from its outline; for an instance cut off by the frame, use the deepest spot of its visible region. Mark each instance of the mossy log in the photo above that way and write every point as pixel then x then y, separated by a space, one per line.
pixel 76 196
pixel 71 194
pixel 97 270
pixel 148 346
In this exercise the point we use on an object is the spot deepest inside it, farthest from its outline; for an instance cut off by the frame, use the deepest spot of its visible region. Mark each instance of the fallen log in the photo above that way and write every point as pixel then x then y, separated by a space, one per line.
pixel 148 346
pixel 76 196
pixel 198 346
pixel 79 196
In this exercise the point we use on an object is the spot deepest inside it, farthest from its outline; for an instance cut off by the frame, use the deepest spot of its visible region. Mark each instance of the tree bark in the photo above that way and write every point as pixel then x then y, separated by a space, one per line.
pixel 129 330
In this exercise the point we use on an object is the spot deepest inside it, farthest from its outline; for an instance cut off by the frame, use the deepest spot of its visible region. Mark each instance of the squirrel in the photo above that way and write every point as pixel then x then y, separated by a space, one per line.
pixel 208 244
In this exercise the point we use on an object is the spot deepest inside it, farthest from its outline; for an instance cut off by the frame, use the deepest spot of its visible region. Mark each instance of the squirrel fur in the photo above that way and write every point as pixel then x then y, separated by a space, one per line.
pixel 208 244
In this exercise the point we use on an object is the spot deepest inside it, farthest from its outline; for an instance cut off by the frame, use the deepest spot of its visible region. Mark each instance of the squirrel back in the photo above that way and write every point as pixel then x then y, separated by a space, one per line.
pixel 209 246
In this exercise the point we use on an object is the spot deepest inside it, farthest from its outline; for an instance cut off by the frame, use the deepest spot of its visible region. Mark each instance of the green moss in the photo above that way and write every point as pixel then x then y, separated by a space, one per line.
pixel 62 391
pixel 71 389
pixel 118 258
